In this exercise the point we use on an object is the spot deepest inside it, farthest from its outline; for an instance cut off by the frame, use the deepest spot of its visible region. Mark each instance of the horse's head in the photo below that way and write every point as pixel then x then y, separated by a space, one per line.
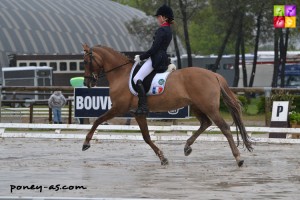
pixel 93 65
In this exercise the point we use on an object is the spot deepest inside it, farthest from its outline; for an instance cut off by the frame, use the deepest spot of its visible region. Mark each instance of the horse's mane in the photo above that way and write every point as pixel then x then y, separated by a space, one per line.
pixel 112 51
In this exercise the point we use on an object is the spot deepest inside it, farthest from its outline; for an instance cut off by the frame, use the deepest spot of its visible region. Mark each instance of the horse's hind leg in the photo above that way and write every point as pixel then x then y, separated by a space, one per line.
pixel 204 124
pixel 142 122
pixel 224 127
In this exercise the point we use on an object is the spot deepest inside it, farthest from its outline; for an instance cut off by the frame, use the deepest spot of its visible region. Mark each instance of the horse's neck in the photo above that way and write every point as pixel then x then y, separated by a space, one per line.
pixel 121 74
pixel 116 72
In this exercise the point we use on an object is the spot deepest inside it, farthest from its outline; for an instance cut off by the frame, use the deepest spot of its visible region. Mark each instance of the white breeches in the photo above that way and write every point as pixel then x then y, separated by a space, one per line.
pixel 145 70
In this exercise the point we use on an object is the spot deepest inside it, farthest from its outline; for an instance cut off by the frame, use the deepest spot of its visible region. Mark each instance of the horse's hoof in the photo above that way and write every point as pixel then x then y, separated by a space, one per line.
pixel 187 150
pixel 164 161
pixel 240 163
pixel 86 147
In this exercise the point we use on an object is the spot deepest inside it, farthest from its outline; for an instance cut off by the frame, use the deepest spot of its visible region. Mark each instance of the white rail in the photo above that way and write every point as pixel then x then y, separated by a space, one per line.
pixel 43 132
pixel 168 128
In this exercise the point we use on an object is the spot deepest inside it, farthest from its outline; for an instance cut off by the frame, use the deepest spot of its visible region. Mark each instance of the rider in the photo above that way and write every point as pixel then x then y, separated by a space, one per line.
pixel 157 58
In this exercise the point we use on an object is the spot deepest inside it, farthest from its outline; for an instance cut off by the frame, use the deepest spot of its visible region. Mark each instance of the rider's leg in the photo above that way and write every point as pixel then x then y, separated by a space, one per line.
pixel 145 70
pixel 142 103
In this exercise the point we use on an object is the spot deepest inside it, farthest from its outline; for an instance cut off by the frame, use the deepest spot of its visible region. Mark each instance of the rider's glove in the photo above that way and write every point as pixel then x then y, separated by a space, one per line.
pixel 137 58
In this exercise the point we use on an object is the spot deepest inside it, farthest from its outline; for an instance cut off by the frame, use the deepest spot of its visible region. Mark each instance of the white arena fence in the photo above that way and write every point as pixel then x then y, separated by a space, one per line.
pixel 126 132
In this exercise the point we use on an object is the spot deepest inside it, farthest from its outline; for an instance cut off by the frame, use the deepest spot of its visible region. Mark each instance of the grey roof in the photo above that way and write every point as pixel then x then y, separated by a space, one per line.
pixel 60 26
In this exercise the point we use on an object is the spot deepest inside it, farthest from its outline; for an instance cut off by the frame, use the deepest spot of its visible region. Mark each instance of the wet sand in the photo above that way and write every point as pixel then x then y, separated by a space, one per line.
pixel 129 169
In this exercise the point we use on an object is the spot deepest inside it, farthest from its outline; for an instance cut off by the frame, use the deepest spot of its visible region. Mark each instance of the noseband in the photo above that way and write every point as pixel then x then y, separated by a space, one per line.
pixel 94 76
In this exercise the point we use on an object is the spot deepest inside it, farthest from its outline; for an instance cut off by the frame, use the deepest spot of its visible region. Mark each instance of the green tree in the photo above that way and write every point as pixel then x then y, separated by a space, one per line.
pixel 206 32
pixel 258 10
pixel 187 9
pixel 143 29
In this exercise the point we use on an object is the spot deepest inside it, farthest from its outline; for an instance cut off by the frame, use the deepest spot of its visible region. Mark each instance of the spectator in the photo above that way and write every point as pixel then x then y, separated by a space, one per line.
pixel 56 102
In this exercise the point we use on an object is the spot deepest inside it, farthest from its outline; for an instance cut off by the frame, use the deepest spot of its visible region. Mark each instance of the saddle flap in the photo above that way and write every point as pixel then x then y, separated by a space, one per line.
pixel 154 83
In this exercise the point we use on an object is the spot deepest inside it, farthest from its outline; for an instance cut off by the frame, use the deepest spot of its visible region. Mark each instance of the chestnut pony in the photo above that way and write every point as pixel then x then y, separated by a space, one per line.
pixel 194 86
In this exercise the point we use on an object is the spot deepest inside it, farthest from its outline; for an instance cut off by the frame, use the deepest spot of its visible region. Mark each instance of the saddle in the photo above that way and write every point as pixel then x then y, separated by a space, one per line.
pixel 154 83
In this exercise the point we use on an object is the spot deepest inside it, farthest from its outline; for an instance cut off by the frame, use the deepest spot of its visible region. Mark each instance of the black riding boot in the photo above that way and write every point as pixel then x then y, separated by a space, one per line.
pixel 142 104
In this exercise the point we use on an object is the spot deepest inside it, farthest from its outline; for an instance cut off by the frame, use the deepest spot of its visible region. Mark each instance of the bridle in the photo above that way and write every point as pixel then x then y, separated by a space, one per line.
pixel 94 76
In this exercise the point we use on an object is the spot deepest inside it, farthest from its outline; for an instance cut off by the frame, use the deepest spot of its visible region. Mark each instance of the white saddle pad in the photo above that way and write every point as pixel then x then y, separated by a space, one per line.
pixel 157 85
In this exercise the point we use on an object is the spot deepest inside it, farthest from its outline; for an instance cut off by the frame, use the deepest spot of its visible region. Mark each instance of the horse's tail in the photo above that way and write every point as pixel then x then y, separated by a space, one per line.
pixel 235 109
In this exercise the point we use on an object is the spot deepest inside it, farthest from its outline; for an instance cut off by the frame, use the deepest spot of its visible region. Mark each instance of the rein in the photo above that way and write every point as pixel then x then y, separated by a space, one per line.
pixel 105 72
pixel 102 73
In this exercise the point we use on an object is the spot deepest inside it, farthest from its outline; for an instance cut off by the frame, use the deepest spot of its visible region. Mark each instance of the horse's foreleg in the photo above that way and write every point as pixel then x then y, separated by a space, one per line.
pixel 142 122
pixel 205 123
pixel 106 116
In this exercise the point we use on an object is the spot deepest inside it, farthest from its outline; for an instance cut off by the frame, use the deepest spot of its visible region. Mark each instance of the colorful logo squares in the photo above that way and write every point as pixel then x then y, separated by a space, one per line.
pixel 284 16
pixel 290 22
pixel 279 10
pixel 279 22
pixel 290 10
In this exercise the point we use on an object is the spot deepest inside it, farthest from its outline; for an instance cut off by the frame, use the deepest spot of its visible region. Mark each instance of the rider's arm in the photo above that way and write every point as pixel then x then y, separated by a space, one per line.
pixel 159 35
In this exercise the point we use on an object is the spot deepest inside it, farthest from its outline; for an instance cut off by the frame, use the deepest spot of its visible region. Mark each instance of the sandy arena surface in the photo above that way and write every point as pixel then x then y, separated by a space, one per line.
pixel 129 169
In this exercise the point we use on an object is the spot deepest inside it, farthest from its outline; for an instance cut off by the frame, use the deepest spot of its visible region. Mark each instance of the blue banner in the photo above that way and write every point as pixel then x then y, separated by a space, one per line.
pixel 93 102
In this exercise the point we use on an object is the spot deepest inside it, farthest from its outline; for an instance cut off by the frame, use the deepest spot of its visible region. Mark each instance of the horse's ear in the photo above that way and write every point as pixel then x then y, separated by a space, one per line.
pixel 85 47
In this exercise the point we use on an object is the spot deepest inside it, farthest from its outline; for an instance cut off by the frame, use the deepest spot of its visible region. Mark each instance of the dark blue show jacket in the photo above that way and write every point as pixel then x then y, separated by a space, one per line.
pixel 158 50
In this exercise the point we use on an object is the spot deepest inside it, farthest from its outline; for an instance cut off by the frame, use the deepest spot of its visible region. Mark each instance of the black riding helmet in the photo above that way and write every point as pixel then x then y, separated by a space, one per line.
pixel 166 11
